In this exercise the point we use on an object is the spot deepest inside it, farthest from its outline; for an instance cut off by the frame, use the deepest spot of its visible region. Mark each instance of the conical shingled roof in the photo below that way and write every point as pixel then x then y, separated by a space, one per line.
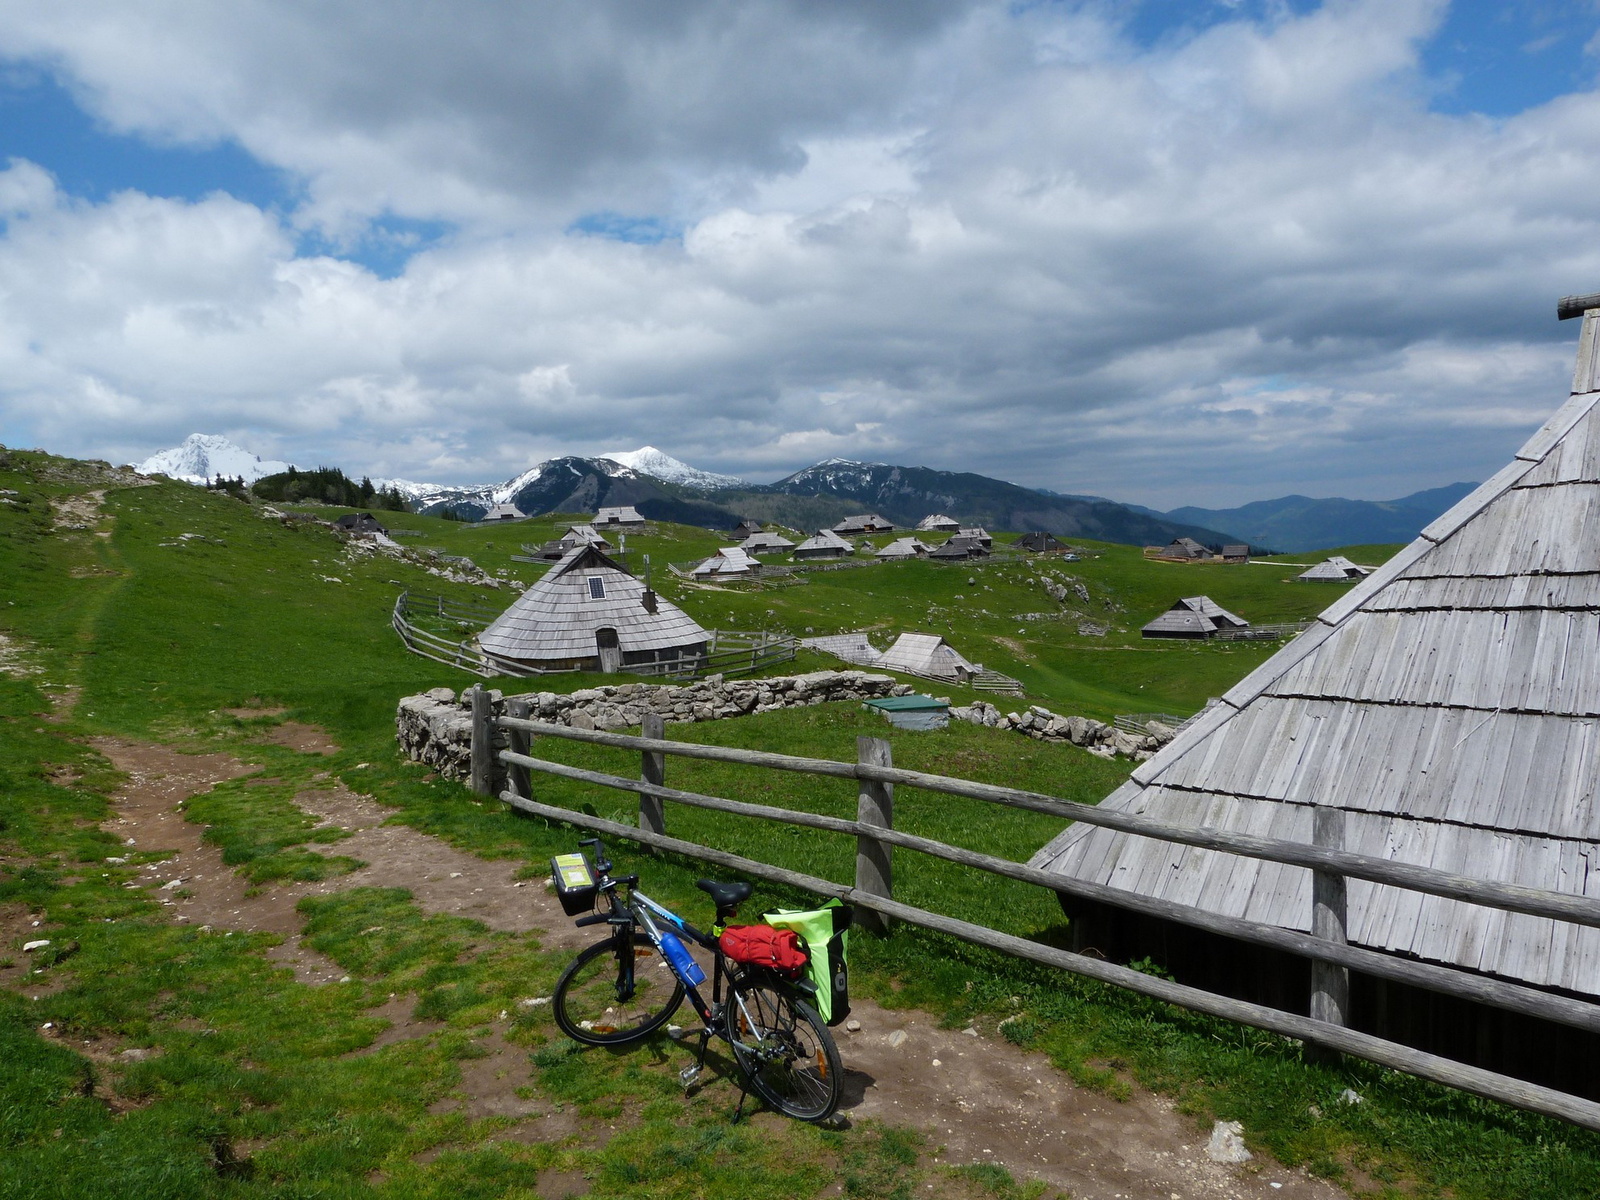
pixel 1449 703
pixel 555 620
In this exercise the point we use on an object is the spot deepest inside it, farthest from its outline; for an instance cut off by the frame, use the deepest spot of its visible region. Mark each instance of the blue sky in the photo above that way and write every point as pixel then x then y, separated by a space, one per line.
pixel 443 245
pixel 1493 57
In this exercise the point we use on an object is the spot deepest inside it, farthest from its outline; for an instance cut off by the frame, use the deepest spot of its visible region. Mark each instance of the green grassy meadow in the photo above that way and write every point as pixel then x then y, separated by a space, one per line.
pixel 174 605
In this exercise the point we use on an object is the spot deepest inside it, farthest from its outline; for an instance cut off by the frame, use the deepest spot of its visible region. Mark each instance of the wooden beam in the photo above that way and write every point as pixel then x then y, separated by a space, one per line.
pixel 1575 306
pixel 518 776
pixel 481 779
pixel 652 770
pixel 874 808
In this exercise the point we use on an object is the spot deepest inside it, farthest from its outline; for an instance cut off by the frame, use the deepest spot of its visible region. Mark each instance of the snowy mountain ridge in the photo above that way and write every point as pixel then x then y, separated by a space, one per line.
pixel 203 456
pixel 657 464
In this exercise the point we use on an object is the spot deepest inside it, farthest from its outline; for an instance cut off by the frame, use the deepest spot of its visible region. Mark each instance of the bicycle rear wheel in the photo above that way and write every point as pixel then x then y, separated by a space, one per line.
pixel 616 991
pixel 783 1049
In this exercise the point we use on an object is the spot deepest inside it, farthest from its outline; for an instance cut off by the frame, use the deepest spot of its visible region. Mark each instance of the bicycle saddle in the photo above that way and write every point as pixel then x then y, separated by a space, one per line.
pixel 724 895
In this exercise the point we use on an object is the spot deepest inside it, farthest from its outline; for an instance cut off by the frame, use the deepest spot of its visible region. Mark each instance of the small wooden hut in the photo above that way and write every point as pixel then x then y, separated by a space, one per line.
pixel 1335 569
pixel 588 613
pixel 621 515
pixel 1040 542
pixel 1193 617
pixel 865 523
pixel 902 548
pixel 761 542
pixel 729 561
pixel 938 523
pixel 826 544
pixel 744 529
pixel 503 512
pixel 1446 707
pixel 926 654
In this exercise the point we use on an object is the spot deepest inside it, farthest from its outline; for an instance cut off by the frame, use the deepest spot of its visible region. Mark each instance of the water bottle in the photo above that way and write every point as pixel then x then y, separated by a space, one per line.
pixel 678 955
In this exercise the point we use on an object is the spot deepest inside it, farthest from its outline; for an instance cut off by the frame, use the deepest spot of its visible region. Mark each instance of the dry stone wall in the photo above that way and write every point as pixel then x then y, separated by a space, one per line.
pixel 436 727
pixel 1094 736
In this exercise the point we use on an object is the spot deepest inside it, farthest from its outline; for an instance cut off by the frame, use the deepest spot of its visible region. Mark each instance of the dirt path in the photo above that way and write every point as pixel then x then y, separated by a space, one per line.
pixel 980 1098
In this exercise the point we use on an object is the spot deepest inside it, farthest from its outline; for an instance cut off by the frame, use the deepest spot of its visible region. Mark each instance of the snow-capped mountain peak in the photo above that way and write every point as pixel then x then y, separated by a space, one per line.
pixel 647 460
pixel 204 456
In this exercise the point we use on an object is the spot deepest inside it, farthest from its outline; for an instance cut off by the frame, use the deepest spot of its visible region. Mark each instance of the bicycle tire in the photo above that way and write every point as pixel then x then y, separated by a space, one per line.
pixel 586 1005
pixel 788 1057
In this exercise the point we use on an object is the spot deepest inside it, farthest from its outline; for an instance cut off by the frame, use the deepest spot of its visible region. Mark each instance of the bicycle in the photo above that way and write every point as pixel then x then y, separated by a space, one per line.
pixel 626 987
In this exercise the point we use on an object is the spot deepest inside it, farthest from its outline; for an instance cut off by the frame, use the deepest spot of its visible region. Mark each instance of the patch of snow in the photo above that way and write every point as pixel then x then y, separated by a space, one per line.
pixel 647 460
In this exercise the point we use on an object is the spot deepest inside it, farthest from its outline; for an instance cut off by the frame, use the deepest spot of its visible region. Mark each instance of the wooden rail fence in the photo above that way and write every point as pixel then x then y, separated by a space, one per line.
pixel 1332 958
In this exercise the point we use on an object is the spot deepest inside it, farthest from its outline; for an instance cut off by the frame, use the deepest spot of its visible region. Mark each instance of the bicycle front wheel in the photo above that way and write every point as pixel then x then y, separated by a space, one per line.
pixel 784 1050
pixel 616 991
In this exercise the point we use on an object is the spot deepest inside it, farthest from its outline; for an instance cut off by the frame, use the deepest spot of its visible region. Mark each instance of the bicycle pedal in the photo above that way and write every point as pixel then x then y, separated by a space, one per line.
pixel 689 1074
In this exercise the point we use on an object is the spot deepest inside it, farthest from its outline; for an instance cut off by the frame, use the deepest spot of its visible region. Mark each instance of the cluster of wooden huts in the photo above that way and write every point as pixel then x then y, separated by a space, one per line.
pixel 1445 712
pixel 1187 550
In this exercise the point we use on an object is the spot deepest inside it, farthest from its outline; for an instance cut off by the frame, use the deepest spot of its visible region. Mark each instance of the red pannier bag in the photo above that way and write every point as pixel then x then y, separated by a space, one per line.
pixel 763 946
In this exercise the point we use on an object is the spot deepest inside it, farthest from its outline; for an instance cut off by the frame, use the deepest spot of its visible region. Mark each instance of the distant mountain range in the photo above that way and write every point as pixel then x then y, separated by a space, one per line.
pixel 1296 523
pixel 664 488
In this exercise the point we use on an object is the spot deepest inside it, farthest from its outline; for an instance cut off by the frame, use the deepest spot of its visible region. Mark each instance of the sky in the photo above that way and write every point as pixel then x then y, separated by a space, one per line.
pixel 1172 252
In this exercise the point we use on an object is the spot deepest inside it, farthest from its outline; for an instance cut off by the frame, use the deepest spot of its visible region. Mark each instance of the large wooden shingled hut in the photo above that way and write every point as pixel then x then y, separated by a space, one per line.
pixel 588 614
pixel 1448 709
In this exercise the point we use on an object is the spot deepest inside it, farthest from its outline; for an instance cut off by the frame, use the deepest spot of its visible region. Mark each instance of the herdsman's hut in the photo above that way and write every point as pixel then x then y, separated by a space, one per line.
pixel 730 560
pixel 938 523
pixel 766 543
pixel 1335 569
pixel 621 515
pixel 590 614
pixel 1446 711
pixel 1193 617
pixel 1040 542
pixel 906 547
pixel 826 544
pixel 926 654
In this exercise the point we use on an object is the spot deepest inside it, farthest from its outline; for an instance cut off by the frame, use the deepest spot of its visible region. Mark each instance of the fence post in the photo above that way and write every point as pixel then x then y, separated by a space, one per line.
pixel 1330 984
pixel 482 778
pixel 520 779
pixel 874 859
pixel 652 769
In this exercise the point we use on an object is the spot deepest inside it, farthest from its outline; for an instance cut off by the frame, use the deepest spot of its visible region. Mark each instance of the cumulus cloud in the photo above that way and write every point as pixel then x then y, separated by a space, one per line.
pixel 1003 239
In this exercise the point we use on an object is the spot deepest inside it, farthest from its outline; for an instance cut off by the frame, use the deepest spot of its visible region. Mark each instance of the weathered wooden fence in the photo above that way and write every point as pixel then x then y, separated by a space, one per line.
pixel 1332 958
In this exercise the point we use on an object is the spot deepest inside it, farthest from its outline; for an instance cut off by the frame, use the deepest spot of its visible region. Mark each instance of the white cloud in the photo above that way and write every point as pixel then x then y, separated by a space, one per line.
pixel 1242 263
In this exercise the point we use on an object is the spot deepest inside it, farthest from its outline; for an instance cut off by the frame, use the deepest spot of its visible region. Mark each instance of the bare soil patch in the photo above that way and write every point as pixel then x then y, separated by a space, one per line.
pixel 248 712
pixel 307 739
pixel 77 512
pixel 980 1098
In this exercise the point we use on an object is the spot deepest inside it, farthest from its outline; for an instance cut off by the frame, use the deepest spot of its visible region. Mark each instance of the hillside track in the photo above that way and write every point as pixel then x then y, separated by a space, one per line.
pixel 976 1096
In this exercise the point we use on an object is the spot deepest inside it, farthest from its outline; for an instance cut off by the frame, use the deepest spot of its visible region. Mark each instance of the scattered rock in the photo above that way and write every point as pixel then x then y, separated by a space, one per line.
pixel 1349 1096
pixel 1227 1143
pixel 30 947
pixel 898 1038
pixel 852 1026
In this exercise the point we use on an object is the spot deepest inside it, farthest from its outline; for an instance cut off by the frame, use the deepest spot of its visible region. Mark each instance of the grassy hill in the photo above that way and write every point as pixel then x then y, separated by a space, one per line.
pixel 149 611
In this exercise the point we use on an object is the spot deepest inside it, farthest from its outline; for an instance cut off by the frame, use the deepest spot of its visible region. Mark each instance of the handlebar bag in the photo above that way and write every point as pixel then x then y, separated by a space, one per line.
pixel 763 946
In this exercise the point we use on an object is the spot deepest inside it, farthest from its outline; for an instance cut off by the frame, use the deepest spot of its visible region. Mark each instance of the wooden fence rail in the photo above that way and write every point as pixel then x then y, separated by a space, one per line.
pixel 1332 958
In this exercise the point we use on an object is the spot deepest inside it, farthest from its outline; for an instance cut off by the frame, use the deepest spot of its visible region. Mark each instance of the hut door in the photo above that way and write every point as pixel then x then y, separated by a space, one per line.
pixel 606 643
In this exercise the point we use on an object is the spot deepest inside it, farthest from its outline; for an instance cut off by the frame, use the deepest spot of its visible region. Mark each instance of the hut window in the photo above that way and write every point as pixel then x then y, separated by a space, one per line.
pixel 597 588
